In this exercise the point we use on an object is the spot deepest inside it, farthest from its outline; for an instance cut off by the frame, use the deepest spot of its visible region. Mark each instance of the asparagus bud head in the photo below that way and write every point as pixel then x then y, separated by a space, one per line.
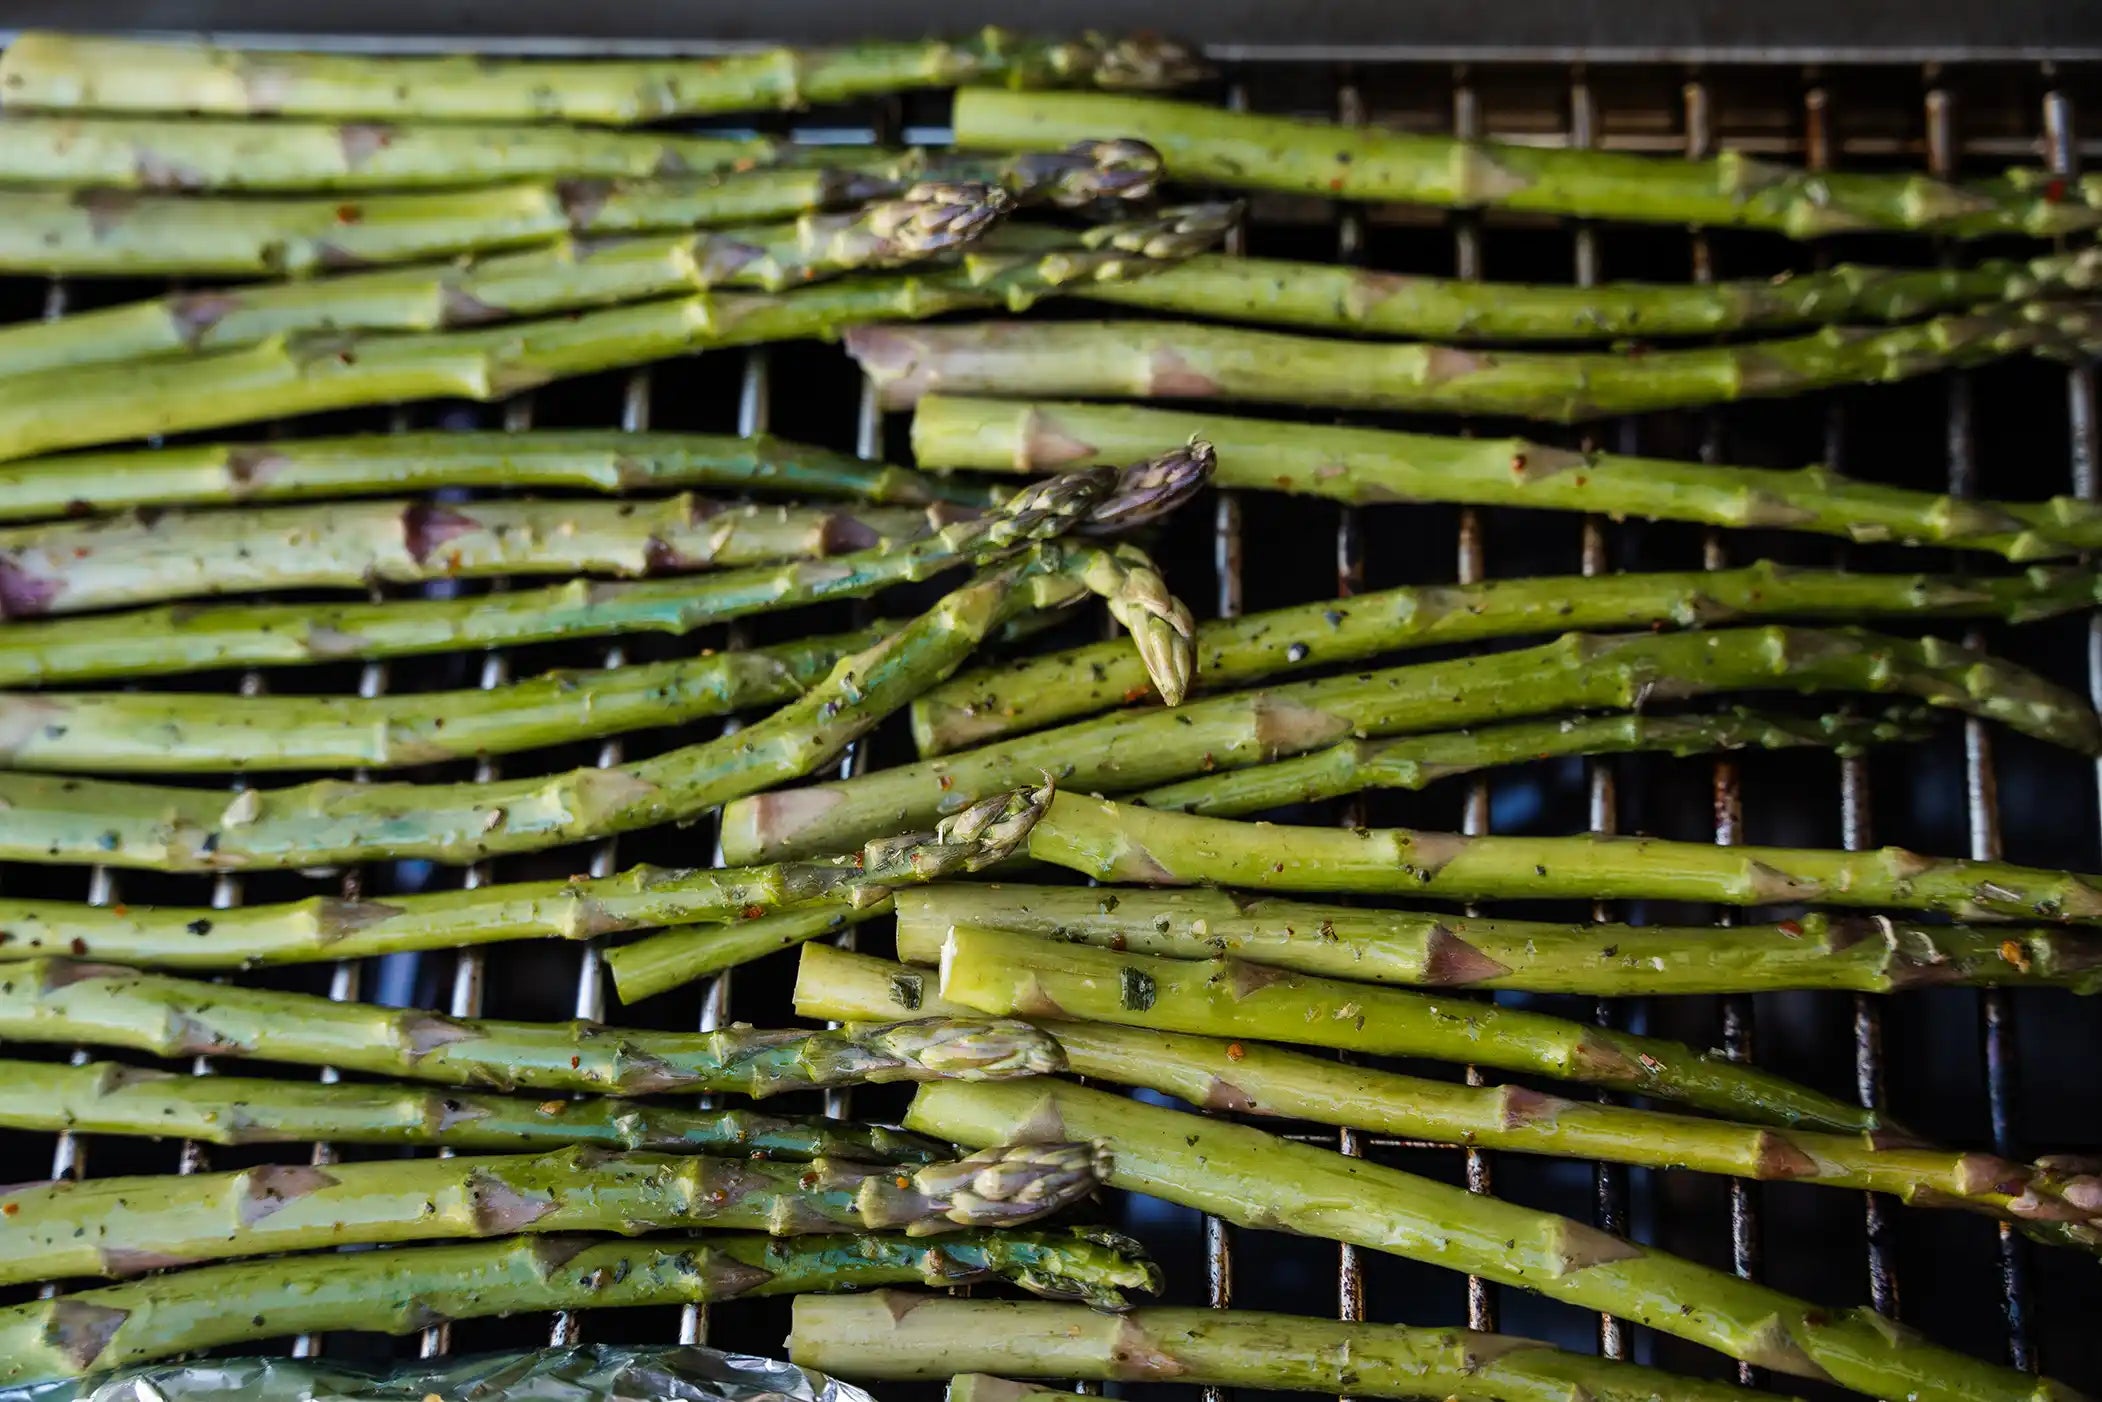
pixel 1012 1184
pixel 1179 231
pixel 1091 1264
pixel 1150 489
pixel 1049 508
pixel 1086 173
pixel 936 216
pixel 989 831
pixel 1138 62
pixel 964 1049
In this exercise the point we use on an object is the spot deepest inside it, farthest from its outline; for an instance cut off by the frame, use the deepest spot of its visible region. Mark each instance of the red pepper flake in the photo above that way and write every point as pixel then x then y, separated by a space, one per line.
pixel 349 214
pixel 1235 1051
pixel 575 1062
pixel 1792 928
pixel 2054 190
pixel 1582 480
pixel 753 912
pixel 79 946
pixel 1517 462
pixel 902 1181
pixel 2012 952
pixel 120 910
pixel 9 1209
pixel 1336 183
pixel 945 782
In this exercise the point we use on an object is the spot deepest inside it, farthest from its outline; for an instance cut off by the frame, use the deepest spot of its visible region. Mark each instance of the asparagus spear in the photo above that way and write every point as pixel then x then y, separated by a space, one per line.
pixel 325 928
pixel 281 377
pixel 2051 1201
pixel 688 953
pixel 186 154
pixel 329 822
pixel 1417 761
pixel 1258 1180
pixel 290 469
pixel 44 72
pixel 978 837
pixel 107 1098
pixel 58 1000
pixel 190 638
pixel 927 219
pixel 1871 954
pixel 69 567
pixel 174 732
pixel 1136 750
pixel 1117 842
pixel 993 971
pixel 1366 466
pixel 1186 360
pixel 1329 297
pixel 890 1335
pixel 1207 145
pixel 114 1227
pixel 1033 692
pixel 59 232
pixel 402 1291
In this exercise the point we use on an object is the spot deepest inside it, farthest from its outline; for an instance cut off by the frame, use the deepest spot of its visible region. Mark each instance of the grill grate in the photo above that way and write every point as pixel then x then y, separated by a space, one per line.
pixel 2007 1084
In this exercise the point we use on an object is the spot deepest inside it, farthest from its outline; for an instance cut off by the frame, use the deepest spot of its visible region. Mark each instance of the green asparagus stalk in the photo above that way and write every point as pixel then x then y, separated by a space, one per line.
pixel 58 1000
pixel 64 232
pixel 1033 692
pixel 888 1335
pixel 329 822
pixel 573 275
pixel 1208 145
pixel 107 1098
pixel 1258 1180
pixel 994 971
pixel 688 953
pixel 325 928
pixel 2052 1201
pixel 298 469
pixel 403 1291
pixel 1366 466
pixel 188 154
pixel 44 72
pixel 280 377
pixel 980 836
pixel 69 567
pixel 1417 761
pixel 1868 954
pixel 1118 842
pixel 192 638
pixel 1329 297
pixel 178 732
pixel 113 1227
pixel 1138 750
pixel 1186 360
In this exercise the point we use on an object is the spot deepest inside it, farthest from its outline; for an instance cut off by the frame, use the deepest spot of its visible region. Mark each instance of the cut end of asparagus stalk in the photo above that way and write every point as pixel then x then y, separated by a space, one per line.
pixel 964 1049
pixel 1014 1183
pixel 1086 173
pixel 989 831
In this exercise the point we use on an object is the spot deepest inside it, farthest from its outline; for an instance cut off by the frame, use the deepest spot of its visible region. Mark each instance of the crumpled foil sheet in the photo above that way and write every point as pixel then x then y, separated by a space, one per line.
pixel 588 1373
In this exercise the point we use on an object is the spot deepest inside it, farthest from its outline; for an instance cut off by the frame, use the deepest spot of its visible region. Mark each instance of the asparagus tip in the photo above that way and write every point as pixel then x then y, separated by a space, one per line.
pixel 1145 62
pixel 1014 1183
pixel 1086 173
pixel 968 1049
pixel 987 832
pixel 936 216
pixel 1179 231
pixel 1150 489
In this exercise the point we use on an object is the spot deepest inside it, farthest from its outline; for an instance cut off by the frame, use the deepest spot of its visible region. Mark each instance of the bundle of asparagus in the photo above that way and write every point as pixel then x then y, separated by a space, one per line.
pixel 604 461
pixel 927 219
pixel 45 72
pixel 328 822
pixel 61 232
pixel 281 376
pixel 1179 360
pixel 2054 1201
pixel 403 1291
pixel 1137 750
pixel 1210 145
pixel 1364 466
pixel 1256 1179
pixel 643 897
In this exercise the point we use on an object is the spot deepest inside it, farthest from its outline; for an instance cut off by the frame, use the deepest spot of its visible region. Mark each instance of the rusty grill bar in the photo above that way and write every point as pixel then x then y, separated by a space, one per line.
pixel 1256 551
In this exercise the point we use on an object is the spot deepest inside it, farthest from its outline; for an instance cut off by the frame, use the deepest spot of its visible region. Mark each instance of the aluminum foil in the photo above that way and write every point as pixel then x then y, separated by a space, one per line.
pixel 588 1373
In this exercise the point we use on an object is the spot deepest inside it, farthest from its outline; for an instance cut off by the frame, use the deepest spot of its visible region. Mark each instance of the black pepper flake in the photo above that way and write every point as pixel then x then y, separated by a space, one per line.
pixel 908 991
pixel 199 927
pixel 1137 989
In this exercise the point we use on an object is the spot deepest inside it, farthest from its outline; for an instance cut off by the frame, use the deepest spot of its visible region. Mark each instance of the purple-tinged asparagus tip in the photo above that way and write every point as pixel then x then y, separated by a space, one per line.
pixel 1179 231
pixel 936 216
pixel 1154 488
pixel 1087 172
